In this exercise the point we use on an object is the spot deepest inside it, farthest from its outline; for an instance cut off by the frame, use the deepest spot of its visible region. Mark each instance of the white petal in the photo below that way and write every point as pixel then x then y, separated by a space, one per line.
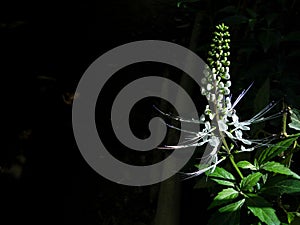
pixel 214 141
pixel 211 116
pixel 212 97
pixel 222 125
pixel 235 118
pixel 228 83
pixel 229 134
pixel 243 149
pixel 209 87
pixel 202 118
pixel 238 134
pixel 245 141
pixel 243 127
pixel 207 125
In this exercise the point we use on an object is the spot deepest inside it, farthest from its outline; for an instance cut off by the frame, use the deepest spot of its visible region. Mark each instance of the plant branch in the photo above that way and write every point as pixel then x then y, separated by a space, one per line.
pixel 235 166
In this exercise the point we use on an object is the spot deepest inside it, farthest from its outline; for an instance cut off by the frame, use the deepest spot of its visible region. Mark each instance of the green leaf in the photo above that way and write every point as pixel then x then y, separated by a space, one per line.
pixel 232 207
pixel 280 185
pixel 223 197
pixel 252 13
pixel 290 216
pixel 248 182
pixel 296 221
pixel 262 209
pixel 230 218
pixel 275 150
pixel 221 176
pixel 292 36
pixel 276 167
pixel 271 17
pixel 246 165
pixel 295 119
pixel 227 215
pixel 269 37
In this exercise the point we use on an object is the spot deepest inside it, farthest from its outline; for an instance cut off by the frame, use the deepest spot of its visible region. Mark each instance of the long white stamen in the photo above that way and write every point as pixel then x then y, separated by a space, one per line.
pixel 263 111
pixel 184 146
pixel 241 96
pixel 178 118
pixel 185 131
pixel 262 119
pixel 201 171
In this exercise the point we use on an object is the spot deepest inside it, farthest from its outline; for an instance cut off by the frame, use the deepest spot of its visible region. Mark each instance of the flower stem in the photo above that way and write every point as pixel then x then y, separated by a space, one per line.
pixel 235 166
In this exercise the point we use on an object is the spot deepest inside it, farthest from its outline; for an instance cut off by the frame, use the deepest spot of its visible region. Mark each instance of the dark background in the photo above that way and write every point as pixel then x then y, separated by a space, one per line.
pixel 46 46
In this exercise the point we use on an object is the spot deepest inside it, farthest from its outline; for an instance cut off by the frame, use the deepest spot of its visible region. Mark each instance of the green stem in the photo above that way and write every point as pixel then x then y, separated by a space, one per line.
pixel 224 142
pixel 284 118
pixel 218 118
pixel 289 156
pixel 235 166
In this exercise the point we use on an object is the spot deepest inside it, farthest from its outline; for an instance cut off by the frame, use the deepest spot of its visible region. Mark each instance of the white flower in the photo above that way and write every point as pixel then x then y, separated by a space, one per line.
pixel 215 88
pixel 207 125
pixel 229 134
pixel 209 87
pixel 228 83
pixel 243 149
pixel 214 141
pixel 237 124
pixel 222 125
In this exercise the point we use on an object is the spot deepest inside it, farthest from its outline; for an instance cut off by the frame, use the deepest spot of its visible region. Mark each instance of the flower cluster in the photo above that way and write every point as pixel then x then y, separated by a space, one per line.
pixel 220 118
pixel 216 86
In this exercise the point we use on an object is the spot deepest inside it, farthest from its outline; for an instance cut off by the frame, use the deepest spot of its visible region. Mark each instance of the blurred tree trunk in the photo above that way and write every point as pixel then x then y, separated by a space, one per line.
pixel 168 204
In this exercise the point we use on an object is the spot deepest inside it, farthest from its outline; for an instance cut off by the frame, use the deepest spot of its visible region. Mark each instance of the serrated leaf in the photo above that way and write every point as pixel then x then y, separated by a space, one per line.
pixel 222 176
pixel 262 209
pixel 223 182
pixel 281 186
pixel 276 167
pixel 232 207
pixel 229 218
pixel 223 197
pixel 221 173
pixel 248 182
pixel 295 119
pixel 246 165
pixel 275 150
